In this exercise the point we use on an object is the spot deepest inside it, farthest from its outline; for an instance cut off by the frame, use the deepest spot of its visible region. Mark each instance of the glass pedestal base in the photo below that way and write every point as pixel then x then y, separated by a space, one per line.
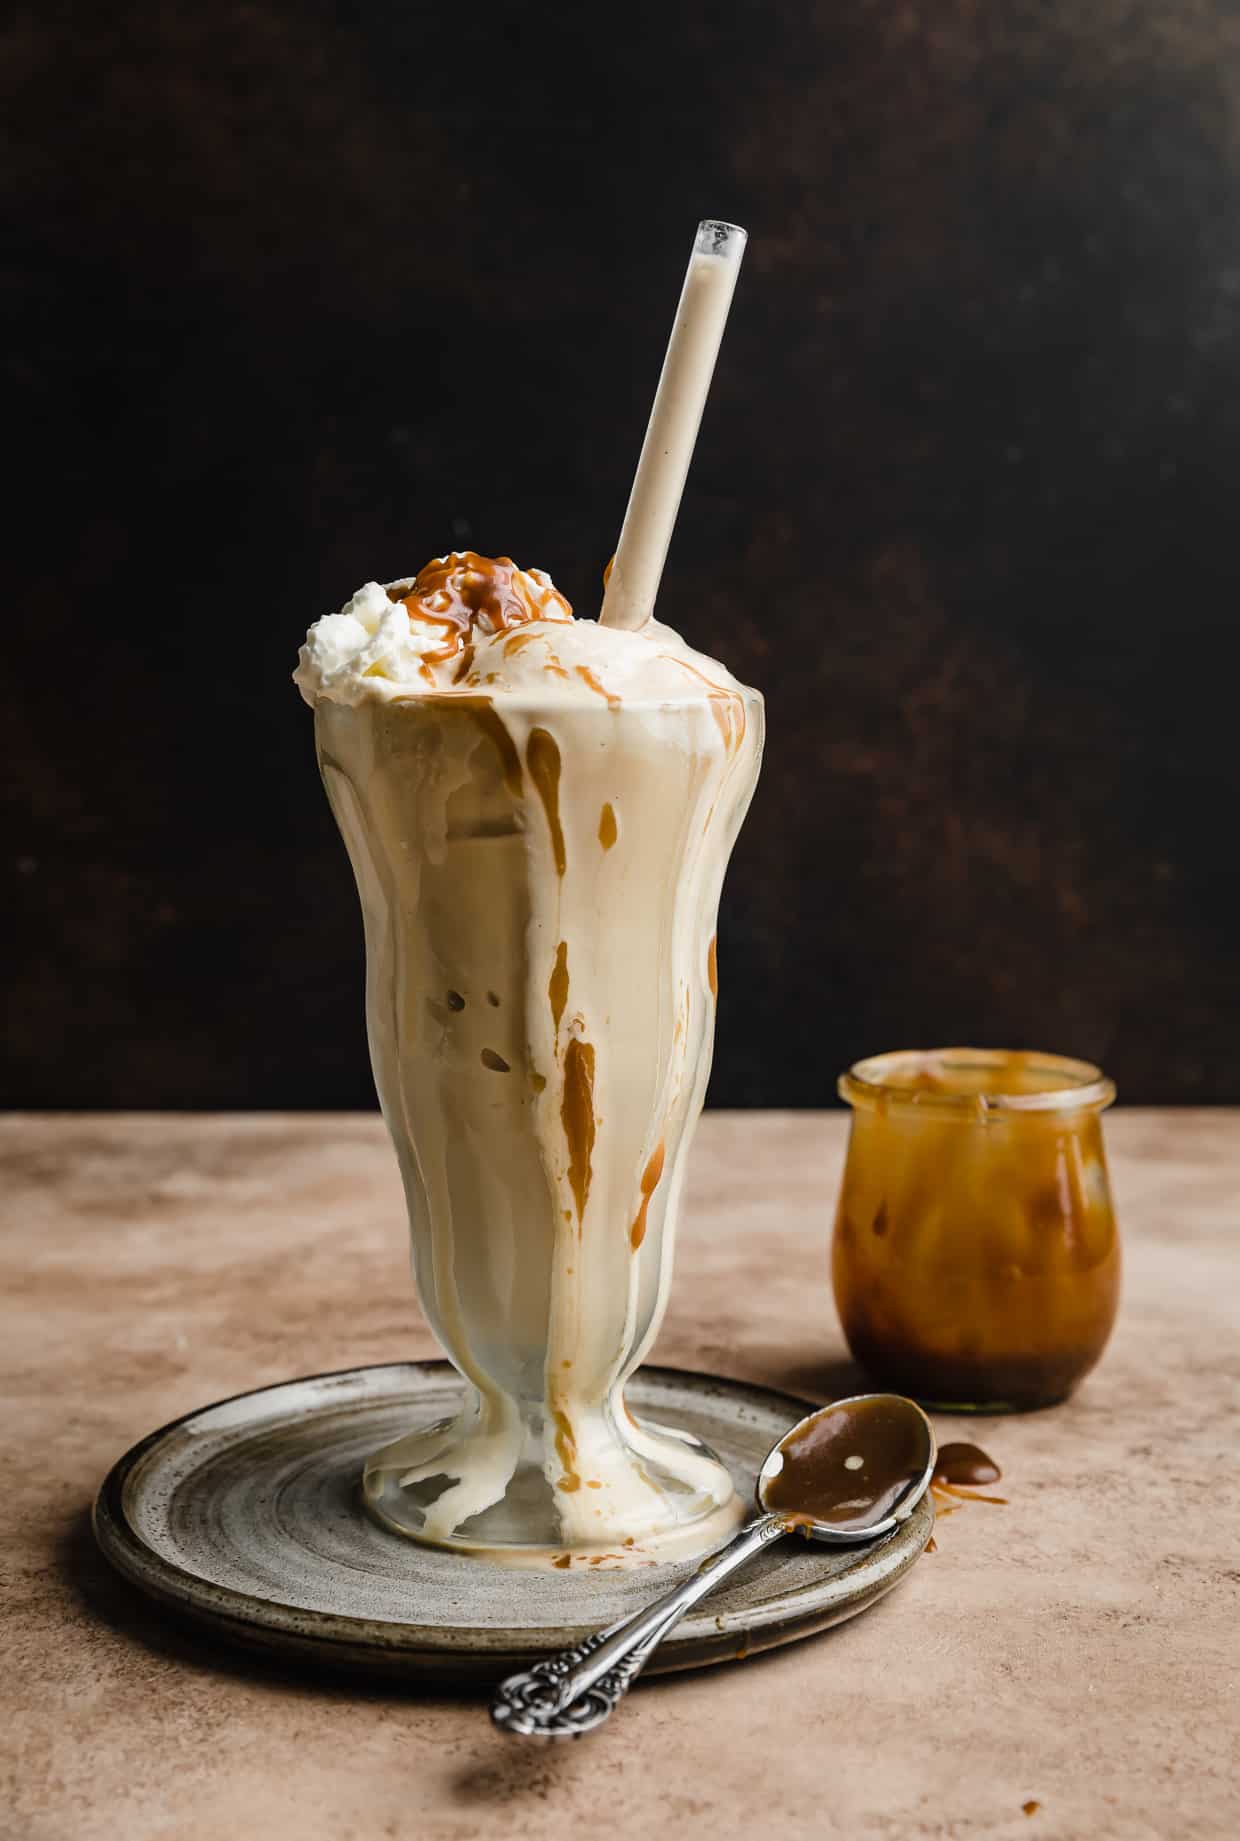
pixel 634 1497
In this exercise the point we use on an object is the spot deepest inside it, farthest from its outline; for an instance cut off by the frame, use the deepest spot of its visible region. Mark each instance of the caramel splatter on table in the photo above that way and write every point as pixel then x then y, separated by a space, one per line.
pixel 1083 1635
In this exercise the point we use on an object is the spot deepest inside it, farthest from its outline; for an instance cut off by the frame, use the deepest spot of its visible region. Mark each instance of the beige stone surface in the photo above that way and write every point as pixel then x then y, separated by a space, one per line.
pixel 1079 1647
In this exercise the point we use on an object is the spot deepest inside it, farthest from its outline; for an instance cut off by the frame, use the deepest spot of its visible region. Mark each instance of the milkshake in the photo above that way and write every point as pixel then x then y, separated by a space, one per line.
pixel 539 811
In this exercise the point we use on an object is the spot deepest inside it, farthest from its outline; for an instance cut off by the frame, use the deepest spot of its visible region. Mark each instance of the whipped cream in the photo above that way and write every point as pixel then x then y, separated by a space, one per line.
pixel 389 641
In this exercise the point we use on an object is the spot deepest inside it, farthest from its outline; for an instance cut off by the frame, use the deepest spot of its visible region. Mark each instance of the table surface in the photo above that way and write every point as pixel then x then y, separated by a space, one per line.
pixel 1077 1648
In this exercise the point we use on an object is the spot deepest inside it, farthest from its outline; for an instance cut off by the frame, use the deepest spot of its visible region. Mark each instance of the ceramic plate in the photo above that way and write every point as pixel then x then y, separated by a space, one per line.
pixel 246 1516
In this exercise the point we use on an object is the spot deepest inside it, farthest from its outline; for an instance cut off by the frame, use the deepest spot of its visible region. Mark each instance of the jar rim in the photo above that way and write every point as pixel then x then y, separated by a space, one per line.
pixel 1077 1085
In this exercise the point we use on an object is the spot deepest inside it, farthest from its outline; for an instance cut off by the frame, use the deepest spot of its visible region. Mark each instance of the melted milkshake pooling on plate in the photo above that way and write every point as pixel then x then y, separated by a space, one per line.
pixel 539 811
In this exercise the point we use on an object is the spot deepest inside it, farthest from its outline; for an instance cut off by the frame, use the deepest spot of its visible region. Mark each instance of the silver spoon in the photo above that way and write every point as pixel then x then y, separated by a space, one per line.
pixel 852 1471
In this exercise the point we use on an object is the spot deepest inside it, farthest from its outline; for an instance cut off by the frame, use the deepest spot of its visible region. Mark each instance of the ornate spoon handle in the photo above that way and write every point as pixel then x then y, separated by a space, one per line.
pixel 575 1691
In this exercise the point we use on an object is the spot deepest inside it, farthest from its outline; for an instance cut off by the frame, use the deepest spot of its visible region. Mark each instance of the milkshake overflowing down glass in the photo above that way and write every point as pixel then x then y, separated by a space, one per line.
pixel 539 812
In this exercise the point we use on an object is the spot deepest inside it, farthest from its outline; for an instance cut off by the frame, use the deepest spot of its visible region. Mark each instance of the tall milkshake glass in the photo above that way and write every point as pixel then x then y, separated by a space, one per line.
pixel 539 811
pixel 539 864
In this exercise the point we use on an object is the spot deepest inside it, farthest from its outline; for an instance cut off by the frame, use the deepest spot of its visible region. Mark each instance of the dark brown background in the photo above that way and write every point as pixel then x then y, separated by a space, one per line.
pixel 306 295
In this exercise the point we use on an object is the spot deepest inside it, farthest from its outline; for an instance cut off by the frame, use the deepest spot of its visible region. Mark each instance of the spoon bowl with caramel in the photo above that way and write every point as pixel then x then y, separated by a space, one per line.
pixel 850 1472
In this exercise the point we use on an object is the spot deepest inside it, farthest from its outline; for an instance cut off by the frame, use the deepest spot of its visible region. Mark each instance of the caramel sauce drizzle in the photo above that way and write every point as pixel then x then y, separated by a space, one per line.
pixel 716 690
pixel 516 642
pixel 650 1182
pixel 608 830
pixel 542 757
pixel 712 966
pixel 587 677
pixel 465 594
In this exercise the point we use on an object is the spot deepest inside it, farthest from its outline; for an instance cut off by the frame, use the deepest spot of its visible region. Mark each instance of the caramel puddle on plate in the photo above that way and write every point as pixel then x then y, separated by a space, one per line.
pixel 965 1464
pixel 956 1466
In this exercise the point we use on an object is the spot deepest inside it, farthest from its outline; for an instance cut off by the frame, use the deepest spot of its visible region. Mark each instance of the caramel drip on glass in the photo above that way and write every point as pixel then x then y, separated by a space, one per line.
pixel 557 987
pixel 542 757
pixel 650 1182
pixel 492 725
pixel 723 719
pixel 608 830
pixel 566 1449
pixel 577 1117
pixel 712 966
pixel 723 703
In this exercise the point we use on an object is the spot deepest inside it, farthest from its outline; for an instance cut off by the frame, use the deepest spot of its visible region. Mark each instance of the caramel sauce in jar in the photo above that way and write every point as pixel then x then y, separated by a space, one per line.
pixel 975 1257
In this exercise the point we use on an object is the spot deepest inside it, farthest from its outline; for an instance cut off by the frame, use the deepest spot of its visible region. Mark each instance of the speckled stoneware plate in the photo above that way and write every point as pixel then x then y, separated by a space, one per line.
pixel 246 1516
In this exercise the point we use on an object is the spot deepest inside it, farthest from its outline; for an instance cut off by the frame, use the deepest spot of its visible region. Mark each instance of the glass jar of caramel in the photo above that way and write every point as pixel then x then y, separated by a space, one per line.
pixel 975 1258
